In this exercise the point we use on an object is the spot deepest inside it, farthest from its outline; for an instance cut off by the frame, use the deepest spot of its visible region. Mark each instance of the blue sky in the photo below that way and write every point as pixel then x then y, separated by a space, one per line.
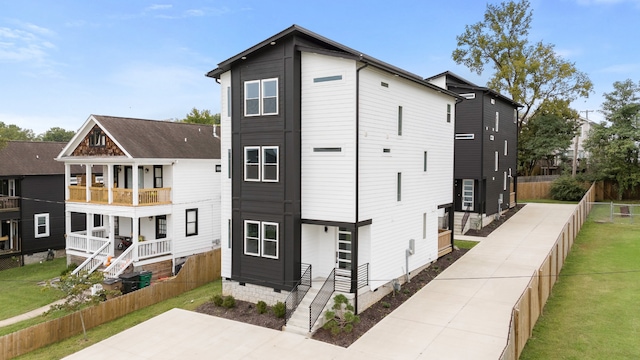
pixel 61 61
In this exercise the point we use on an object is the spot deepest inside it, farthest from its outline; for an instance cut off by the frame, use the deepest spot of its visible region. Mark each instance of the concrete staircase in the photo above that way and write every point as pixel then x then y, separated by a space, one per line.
pixel 299 321
pixel 457 222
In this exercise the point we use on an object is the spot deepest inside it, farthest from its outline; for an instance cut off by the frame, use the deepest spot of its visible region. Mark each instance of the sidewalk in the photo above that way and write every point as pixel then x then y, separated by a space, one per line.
pixel 463 314
pixel 28 315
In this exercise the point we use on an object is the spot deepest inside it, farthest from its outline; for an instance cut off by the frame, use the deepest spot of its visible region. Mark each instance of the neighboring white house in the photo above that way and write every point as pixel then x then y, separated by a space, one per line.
pixel 335 166
pixel 152 184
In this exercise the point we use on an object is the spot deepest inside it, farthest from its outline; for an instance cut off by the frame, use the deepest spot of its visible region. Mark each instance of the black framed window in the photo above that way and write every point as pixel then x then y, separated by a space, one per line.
pixel 97 138
pixel 192 222
pixel 157 176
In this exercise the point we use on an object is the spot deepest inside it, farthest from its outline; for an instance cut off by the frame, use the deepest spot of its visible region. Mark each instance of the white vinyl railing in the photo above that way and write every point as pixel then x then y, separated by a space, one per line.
pixel 94 261
pixel 119 265
pixel 151 248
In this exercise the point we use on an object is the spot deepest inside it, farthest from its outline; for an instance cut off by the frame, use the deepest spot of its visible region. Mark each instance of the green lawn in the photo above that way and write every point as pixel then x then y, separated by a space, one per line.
pixel 546 201
pixel 188 301
pixel 464 244
pixel 593 311
pixel 19 289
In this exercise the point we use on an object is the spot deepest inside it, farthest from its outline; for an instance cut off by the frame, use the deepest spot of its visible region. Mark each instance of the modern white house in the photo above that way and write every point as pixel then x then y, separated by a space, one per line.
pixel 149 194
pixel 337 173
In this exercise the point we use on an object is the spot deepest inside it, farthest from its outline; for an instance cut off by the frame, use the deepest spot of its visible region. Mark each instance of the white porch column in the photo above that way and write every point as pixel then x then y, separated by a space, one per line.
pixel 67 181
pixel 112 227
pixel 136 233
pixel 135 180
pixel 87 182
pixel 110 184
pixel 89 220
pixel 67 227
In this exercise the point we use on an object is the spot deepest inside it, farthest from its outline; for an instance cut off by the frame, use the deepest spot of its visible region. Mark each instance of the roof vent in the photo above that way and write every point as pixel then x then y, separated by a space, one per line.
pixel 185 139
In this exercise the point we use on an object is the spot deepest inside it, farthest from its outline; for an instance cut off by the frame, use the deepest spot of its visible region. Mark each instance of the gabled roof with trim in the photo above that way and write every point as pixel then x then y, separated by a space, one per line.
pixel 466 84
pixel 152 139
pixel 324 45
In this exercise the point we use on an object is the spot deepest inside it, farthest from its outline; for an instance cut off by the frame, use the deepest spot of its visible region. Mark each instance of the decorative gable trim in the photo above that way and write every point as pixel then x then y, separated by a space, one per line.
pixel 97 143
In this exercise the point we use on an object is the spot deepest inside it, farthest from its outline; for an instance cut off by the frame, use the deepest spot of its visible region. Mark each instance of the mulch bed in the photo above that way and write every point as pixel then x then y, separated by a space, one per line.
pixel 485 231
pixel 247 312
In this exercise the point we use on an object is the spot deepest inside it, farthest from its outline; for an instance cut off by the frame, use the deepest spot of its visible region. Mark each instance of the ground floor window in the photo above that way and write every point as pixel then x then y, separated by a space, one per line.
pixel 41 222
pixel 192 222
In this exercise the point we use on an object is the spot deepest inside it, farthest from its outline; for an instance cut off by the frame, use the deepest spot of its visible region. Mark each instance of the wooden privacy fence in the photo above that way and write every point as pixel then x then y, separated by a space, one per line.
pixel 534 190
pixel 198 270
pixel 529 307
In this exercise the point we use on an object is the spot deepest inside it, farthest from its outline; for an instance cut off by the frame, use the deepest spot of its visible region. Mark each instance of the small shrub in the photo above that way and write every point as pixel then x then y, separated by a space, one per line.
pixel 229 302
pixel 385 305
pixel 261 306
pixel 69 269
pixel 566 188
pixel 341 318
pixel 279 310
pixel 217 300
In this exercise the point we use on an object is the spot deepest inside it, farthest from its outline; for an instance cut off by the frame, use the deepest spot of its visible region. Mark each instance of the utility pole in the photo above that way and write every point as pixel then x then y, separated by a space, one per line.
pixel 575 144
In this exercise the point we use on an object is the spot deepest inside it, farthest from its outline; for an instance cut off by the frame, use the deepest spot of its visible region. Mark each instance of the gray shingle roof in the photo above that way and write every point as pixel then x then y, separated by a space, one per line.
pixel 31 158
pixel 162 139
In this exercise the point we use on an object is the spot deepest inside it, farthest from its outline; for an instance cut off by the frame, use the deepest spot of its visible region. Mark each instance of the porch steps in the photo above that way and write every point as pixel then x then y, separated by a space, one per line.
pixel 457 223
pixel 299 321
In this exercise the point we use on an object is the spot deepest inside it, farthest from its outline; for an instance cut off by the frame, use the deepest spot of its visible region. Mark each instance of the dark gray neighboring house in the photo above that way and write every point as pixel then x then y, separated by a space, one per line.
pixel 31 201
pixel 486 151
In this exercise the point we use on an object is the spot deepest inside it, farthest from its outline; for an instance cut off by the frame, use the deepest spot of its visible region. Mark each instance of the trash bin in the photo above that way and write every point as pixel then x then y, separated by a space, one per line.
pixel 145 279
pixel 130 282
pixel 111 285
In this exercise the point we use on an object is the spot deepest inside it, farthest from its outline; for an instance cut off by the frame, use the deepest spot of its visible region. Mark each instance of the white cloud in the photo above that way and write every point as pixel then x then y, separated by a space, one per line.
pixel 622 68
pixel 159 7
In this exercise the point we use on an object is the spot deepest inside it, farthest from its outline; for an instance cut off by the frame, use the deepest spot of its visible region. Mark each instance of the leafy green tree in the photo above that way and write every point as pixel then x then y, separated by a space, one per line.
pixel 57 134
pixel 547 133
pixel 14 132
pixel 201 117
pixel 529 73
pixel 613 146
pixel 77 290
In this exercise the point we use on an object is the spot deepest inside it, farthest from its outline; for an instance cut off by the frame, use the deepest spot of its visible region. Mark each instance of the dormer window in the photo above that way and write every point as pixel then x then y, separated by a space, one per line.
pixel 97 138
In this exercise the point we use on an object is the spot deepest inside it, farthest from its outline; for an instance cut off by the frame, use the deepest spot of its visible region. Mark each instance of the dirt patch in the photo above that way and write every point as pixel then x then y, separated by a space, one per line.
pixel 485 231
pixel 247 312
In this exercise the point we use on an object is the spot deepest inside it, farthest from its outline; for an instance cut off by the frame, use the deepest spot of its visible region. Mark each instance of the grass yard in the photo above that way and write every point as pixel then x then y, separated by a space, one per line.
pixel 19 289
pixel 188 301
pixel 546 201
pixel 464 244
pixel 593 310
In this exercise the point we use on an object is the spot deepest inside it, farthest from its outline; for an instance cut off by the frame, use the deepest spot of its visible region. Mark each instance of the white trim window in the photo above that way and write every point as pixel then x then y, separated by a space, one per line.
pixel 261 97
pixel 506 147
pixel 467 194
pixel 448 113
pixel 515 116
pixel 270 164
pixel 496 162
pixel 504 181
pixel 261 239
pixel 252 238
pixel 261 163
pixel 41 225
pixel 269 240
pixel 497 121
pixel 252 163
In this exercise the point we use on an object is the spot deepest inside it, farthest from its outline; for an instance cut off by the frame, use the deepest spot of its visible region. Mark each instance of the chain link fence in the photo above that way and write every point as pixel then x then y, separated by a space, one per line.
pixel 617 213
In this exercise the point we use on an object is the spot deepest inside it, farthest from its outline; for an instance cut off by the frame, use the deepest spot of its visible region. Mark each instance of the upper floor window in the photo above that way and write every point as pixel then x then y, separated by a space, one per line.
pixel 261 239
pixel 515 116
pixel 399 120
pixel 261 163
pixel 496 161
pixel 399 187
pixel 41 222
pixel 448 113
pixel 261 97
pixel 97 138
pixel 497 121
pixel 157 176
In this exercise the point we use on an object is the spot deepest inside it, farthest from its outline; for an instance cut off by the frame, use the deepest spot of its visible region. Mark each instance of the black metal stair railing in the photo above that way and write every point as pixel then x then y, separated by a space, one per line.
pixel 299 291
pixel 322 298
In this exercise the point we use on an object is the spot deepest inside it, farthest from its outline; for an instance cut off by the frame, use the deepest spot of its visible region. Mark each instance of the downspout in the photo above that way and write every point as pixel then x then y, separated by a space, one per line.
pixel 354 254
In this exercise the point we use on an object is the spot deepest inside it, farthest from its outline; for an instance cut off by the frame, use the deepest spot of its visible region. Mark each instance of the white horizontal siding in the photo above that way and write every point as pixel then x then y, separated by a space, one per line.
pixel 196 186
pixel 424 128
pixel 328 120
pixel 225 178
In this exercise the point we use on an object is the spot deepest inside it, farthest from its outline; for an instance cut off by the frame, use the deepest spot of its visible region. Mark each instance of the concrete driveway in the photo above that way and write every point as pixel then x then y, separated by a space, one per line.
pixel 463 314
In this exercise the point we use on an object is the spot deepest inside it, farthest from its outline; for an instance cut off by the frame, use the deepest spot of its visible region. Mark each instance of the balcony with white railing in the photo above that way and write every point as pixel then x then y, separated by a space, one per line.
pixel 79 240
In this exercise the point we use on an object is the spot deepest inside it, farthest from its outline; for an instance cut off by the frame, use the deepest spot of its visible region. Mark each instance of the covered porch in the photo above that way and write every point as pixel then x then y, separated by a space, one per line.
pixel 117 242
pixel 128 184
